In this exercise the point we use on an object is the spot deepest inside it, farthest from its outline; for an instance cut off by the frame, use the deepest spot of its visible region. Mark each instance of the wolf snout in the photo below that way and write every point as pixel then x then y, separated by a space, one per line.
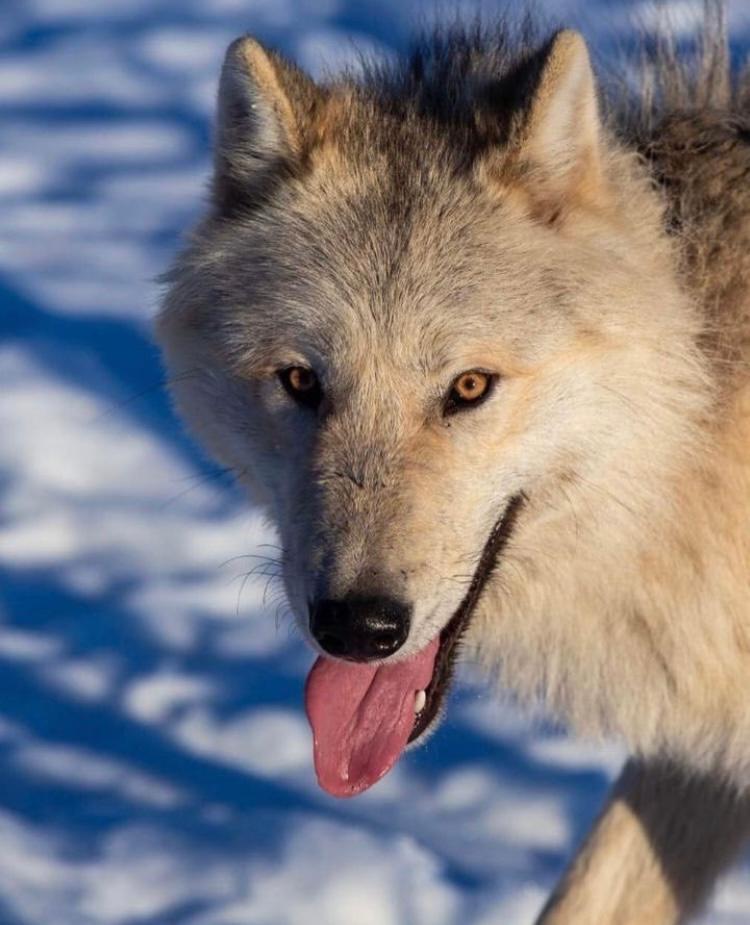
pixel 360 629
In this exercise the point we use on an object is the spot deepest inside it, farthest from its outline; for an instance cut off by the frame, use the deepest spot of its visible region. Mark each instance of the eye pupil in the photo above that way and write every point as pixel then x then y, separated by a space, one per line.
pixel 469 389
pixel 469 386
pixel 301 379
pixel 472 385
pixel 302 385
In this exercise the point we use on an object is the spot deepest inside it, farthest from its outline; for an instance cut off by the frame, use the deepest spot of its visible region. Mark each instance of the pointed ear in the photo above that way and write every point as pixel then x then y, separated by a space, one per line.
pixel 559 143
pixel 263 106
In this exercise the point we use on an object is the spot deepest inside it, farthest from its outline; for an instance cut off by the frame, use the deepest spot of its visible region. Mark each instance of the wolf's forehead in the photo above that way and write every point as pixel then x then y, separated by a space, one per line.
pixel 387 303
pixel 374 248
pixel 407 264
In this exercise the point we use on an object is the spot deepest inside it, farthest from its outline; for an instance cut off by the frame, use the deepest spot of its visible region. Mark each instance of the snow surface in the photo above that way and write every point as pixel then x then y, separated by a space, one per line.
pixel 156 764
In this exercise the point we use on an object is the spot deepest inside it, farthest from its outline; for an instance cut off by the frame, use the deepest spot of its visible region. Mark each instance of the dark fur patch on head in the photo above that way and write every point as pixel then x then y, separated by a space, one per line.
pixel 465 87
pixel 459 90
pixel 466 77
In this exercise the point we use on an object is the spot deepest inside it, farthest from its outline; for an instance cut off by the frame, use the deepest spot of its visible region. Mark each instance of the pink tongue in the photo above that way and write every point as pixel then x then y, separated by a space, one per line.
pixel 362 716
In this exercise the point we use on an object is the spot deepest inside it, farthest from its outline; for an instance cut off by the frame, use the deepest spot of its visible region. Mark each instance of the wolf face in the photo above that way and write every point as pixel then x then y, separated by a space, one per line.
pixel 432 338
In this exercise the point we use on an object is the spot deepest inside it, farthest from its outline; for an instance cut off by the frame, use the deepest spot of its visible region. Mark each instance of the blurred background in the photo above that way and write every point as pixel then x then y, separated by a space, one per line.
pixel 155 763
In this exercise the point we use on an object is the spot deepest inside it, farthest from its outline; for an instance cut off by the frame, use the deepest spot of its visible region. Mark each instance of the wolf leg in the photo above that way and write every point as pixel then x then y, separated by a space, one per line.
pixel 655 852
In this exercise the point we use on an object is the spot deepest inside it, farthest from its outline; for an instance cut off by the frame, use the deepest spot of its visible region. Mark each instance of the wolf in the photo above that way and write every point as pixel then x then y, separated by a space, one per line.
pixel 473 328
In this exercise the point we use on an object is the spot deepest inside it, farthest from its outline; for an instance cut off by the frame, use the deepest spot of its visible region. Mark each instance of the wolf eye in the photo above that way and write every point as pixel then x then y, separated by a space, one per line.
pixel 302 384
pixel 468 390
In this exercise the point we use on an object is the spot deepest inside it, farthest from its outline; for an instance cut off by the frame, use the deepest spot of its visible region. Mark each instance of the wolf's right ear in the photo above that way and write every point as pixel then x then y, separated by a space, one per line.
pixel 558 143
pixel 264 104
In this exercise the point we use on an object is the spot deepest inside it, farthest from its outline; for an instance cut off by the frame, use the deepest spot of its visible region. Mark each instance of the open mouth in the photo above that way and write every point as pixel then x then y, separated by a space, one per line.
pixel 363 715
pixel 450 636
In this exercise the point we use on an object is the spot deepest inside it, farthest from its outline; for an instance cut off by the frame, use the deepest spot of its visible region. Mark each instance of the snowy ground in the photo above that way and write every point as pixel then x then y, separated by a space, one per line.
pixel 155 761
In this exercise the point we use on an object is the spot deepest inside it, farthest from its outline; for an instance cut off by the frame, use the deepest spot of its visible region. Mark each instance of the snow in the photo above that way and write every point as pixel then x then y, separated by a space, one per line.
pixel 156 762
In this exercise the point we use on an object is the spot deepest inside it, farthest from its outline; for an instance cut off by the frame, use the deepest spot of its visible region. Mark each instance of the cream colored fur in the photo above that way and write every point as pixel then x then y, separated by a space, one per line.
pixel 622 602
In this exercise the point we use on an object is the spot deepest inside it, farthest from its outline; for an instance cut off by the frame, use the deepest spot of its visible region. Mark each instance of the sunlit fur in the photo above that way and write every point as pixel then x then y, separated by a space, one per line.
pixel 483 205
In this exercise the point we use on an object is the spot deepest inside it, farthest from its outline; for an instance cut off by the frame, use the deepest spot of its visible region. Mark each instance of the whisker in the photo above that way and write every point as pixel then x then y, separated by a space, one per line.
pixel 142 393
pixel 269 580
pixel 261 570
pixel 239 593
pixel 199 481
pixel 249 556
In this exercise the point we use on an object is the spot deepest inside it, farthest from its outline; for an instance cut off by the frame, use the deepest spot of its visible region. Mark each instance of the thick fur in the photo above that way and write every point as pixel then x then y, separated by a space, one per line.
pixel 483 204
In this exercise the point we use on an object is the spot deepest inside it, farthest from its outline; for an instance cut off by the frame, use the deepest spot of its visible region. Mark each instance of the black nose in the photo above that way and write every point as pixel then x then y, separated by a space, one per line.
pixel 360 629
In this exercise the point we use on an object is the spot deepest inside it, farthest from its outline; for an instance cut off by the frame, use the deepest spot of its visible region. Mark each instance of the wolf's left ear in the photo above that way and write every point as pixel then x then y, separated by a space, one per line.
pixel 264 104
pixel 559 139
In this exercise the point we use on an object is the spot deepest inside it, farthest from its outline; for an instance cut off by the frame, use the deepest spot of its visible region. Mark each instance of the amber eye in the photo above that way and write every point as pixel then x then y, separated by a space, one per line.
pixel 302 384
pixel 468 390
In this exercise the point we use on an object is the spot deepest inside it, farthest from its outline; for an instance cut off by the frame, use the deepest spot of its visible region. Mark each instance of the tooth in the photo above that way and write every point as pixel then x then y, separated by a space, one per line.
pixel 419 701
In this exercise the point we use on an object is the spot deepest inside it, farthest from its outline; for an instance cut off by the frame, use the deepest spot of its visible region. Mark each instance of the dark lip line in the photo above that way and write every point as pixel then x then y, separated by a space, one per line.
pixel 452 632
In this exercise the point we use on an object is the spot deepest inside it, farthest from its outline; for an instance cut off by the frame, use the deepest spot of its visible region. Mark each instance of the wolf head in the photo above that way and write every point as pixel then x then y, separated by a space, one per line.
pixel 425 307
